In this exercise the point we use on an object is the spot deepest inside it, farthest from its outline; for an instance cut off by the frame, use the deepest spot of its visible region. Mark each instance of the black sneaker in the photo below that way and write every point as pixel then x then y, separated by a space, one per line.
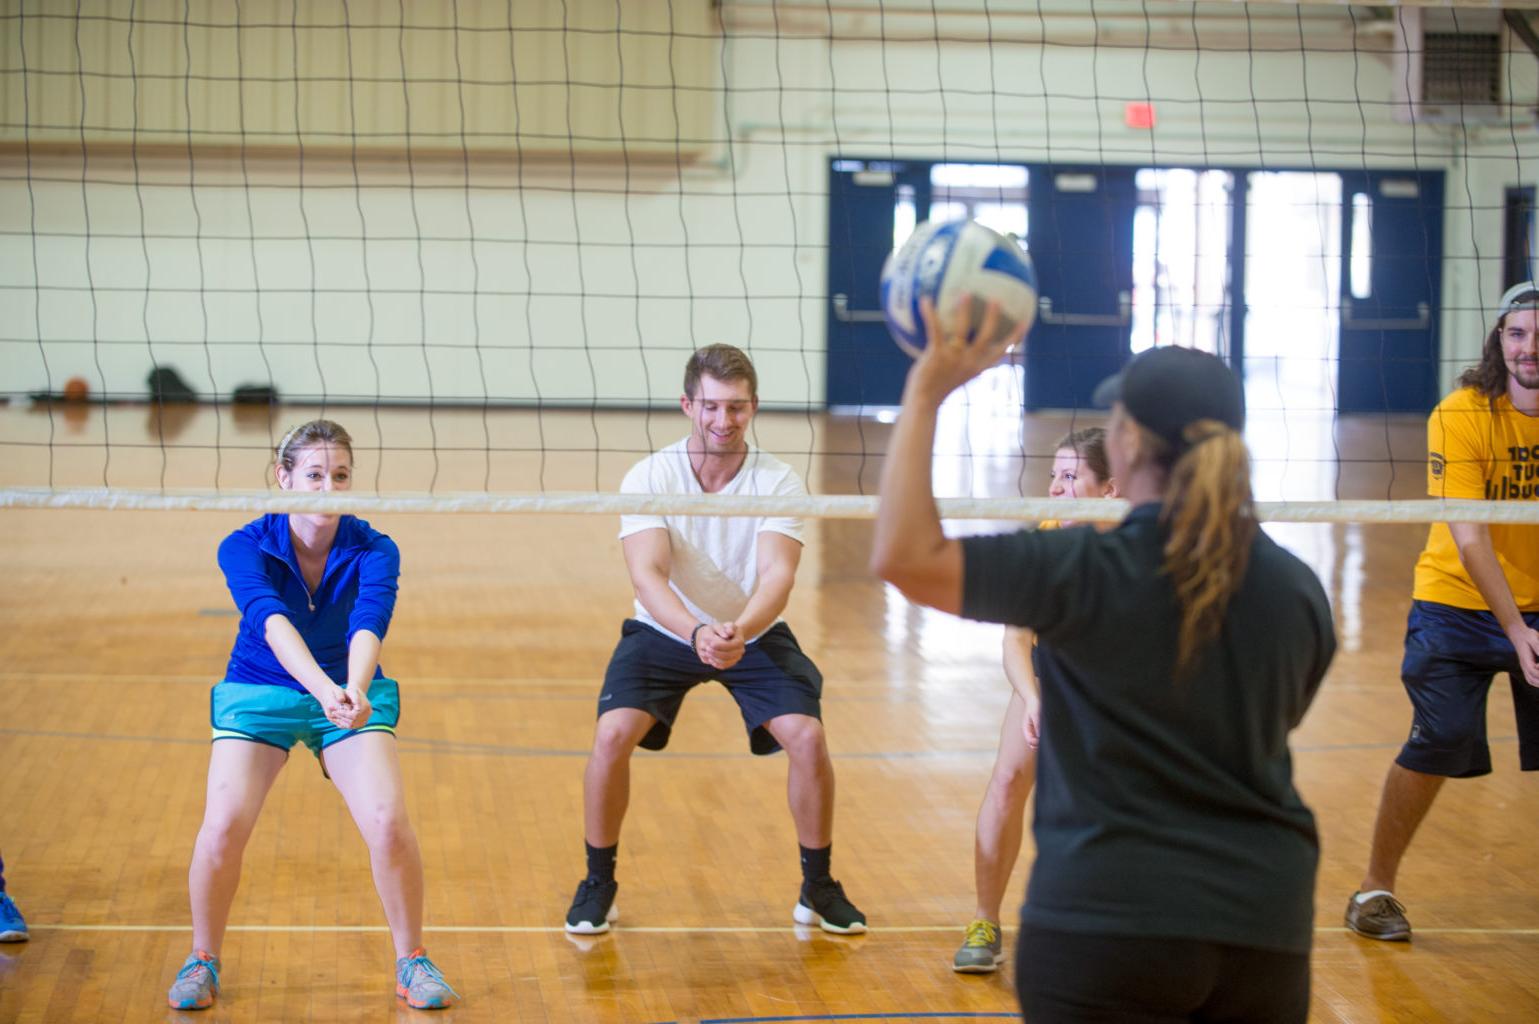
pixel 823 902
pixel 593 907
pixel 1381 917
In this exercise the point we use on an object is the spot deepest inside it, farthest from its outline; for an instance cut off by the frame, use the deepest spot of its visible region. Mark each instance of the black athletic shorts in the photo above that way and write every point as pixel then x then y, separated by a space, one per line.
pixel 652 671
pixel 1451 657
pixel 1074 978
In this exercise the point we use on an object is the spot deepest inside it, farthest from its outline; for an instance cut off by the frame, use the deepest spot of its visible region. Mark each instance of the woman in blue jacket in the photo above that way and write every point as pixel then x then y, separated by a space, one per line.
pixel 315 593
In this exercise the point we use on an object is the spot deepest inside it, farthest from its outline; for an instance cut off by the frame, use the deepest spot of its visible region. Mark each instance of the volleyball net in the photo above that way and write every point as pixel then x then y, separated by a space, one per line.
pixel 485 236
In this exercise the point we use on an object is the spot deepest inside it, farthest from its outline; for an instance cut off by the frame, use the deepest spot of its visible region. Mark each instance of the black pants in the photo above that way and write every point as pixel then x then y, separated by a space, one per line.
pixel 1065 977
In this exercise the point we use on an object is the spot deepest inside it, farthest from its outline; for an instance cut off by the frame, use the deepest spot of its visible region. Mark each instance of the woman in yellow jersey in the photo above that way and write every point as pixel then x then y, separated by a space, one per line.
pixel 1475 607
pixel 1079 471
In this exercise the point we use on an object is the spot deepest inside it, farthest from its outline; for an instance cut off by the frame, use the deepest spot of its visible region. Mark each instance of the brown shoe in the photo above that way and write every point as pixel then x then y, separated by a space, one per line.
pixel 1381 917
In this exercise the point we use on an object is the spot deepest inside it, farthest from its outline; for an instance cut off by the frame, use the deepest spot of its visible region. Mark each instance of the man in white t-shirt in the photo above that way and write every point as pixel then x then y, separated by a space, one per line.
pixel 709 593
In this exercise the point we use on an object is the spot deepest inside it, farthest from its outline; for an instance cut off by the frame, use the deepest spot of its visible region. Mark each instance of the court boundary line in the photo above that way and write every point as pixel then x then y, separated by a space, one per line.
pixel 468 748
pixel 912 1015
pixel 593 681
pixel 510 929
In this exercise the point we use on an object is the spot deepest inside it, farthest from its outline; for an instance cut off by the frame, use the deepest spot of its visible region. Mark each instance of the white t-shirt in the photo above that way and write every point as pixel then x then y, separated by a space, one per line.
pixel 715 564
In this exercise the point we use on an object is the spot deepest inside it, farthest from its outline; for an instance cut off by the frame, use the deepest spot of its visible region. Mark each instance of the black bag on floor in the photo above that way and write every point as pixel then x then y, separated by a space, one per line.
pixel 255 394
pixel 166 385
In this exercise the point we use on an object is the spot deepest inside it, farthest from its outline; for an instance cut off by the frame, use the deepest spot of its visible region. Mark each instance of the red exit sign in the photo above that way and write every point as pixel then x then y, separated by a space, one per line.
pixel 1138 115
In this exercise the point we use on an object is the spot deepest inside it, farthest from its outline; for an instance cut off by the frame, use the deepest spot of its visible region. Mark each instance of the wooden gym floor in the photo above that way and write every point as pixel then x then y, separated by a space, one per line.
pixel 116 623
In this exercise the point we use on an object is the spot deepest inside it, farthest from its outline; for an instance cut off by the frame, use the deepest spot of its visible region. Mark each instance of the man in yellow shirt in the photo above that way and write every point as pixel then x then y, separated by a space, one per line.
pixel 1475 607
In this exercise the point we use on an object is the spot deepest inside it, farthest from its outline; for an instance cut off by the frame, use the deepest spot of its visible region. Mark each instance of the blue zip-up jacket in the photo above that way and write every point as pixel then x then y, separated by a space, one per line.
pixel 357 591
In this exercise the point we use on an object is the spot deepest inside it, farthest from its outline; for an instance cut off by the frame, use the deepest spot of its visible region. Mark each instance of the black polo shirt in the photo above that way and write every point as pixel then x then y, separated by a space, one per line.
pixel 1165 807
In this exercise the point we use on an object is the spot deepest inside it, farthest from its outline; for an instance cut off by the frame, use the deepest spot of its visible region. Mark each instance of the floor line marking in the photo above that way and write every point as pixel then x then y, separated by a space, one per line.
pixel 593 683
pixel 897 1015
pixel 497 929
pixel 432 745
pixel 465 748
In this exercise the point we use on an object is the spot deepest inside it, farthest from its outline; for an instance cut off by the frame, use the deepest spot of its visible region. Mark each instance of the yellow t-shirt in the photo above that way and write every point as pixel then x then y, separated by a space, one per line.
pixel 1486 450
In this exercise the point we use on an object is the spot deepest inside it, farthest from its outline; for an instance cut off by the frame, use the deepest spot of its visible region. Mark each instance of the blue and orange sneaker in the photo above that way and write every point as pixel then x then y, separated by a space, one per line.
pixel 13 927
pixel 419 981
pixel 196 984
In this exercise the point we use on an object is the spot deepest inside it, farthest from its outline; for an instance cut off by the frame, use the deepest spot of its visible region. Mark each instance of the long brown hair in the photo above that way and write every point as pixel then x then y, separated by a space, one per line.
pixel 1211 521
pixel 1489 376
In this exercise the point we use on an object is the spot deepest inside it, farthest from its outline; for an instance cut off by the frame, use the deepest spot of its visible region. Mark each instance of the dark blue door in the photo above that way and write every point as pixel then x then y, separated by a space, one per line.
pixel 1081 242
pixel 865 366
pixel 1389 330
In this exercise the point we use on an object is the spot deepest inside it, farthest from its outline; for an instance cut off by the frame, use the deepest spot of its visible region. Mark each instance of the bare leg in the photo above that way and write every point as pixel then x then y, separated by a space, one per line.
pixel 240 773
pixel 809 779
pixel 606 781
pixel 367 773
pixel 1001 819
pixel 1406 799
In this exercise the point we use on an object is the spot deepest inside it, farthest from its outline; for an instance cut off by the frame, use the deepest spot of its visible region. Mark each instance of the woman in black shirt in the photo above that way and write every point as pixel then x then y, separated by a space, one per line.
pixel 1175 864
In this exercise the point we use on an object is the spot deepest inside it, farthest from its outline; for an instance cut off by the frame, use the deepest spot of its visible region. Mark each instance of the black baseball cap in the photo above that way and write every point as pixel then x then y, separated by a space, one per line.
pixel 1169 388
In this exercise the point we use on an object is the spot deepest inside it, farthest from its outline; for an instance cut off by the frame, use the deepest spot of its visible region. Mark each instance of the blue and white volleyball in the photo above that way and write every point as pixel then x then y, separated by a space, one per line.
pixel 947 260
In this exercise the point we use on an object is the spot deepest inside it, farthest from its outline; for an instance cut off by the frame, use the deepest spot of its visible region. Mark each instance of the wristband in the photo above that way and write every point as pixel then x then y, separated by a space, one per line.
pixel 694 633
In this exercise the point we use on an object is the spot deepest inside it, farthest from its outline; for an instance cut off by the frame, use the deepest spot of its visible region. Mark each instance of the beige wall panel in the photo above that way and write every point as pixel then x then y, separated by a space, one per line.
pixel 629 77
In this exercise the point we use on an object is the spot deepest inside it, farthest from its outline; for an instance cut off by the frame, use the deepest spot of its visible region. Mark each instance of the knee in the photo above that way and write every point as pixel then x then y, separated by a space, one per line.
pixel 222 838
pixel 1009 786
pixel 387 830
pixel 613 742
pixel 803 740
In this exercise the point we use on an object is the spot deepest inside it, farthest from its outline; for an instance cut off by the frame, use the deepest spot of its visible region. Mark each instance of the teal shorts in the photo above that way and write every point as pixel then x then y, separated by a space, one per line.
pixel 281 717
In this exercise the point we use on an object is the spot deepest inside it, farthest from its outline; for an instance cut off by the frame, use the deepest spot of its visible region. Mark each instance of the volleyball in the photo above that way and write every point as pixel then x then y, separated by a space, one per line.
pixel 943 261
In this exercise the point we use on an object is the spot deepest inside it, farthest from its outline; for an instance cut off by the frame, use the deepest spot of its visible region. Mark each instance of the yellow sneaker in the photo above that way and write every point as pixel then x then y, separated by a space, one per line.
pixel 983 949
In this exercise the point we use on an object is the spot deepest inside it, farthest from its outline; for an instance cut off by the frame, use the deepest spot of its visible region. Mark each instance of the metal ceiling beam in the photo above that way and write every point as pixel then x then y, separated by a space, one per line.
pixel 1518 22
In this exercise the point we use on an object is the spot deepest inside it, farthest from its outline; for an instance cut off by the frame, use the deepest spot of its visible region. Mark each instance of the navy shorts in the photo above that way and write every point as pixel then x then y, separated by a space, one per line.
pixel 652 671
pixel 1451 657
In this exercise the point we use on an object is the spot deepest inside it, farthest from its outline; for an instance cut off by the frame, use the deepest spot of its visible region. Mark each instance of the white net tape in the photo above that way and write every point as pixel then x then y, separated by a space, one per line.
pixel 813 506
pixel 487 235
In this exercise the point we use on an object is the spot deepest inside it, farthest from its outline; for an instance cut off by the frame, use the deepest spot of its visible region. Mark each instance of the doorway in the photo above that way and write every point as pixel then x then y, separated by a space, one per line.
pixel 1292 291
pixel 1320 287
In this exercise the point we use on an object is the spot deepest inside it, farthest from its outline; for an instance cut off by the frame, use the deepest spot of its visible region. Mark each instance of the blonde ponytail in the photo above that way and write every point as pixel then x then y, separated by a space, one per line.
pixel 1211 523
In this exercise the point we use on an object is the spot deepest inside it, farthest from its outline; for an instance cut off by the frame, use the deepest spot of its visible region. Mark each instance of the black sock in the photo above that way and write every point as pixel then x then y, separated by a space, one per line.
pixel 601 861
pixel 815 862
